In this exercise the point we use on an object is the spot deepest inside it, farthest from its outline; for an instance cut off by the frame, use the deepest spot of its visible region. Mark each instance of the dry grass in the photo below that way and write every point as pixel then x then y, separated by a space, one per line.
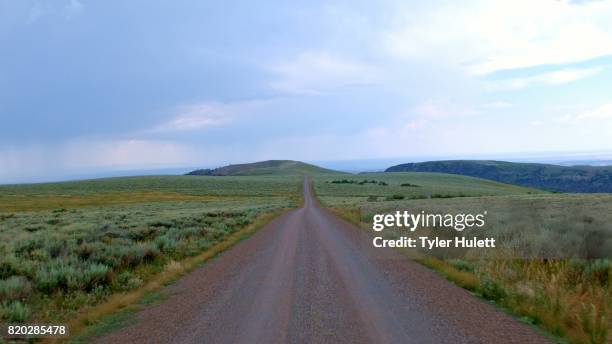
pixel 551 294
pixel 464 279
pixel 568 298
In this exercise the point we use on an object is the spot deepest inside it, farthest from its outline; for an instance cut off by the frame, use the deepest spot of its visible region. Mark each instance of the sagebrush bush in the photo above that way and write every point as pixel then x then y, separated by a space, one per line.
pixel 69 275
pixel 95 275
pixel 491 289
pixel 11 266
pixel 136 254
pixel 14 311
pixel 126 281
pixel 15 288
pixel 166 244
pixel 88 249
pixel 141 233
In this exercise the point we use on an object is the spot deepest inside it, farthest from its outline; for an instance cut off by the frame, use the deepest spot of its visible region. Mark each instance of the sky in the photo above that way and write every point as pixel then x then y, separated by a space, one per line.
pixel 118 85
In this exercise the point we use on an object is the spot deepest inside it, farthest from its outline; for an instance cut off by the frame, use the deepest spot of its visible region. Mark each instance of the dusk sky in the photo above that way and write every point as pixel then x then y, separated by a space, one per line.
pixel 87 85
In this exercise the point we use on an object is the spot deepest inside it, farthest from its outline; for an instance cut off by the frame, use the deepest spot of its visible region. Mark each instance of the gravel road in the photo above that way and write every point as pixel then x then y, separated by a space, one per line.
pixel 311 277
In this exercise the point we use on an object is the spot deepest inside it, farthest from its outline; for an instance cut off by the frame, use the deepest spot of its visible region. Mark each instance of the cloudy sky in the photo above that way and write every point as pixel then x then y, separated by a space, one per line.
pixel 102 85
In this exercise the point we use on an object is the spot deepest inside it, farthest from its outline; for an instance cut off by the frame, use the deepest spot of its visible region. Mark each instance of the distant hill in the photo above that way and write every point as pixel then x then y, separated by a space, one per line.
pixel 544 176
pixel 272 167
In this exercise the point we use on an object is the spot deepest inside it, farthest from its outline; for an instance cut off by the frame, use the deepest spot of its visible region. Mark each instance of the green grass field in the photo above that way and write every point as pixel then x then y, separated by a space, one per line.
pixel 570 298
pixel 65 246
pixel 333 191
pixel 97 192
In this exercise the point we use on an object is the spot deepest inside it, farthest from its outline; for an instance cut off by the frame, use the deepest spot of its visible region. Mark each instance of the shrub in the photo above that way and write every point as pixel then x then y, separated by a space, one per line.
pixel 164 224
pixel 141 233
pixel 55 276
pixel 126 281
pixel 395 197
pixel 120 253
pixel 40 255
pixel 15 288
pixel 95 275
pixel 88 249
pixel 6 216
pixel 53 222
pixel 8 266
pixel 166 244
pixel 441 196
pixel 33 228
pixel 344 181
pixel 55 247
pixel 137 254
pixel 462 265
pixel 71 275
pixel 491 289
pixel 11 265
pixel 109 256
pixel 14 311
pixel 24 247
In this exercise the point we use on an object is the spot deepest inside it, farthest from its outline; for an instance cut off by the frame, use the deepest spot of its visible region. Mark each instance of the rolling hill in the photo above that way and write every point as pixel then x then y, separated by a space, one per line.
pixel 544 176
pixel 269 167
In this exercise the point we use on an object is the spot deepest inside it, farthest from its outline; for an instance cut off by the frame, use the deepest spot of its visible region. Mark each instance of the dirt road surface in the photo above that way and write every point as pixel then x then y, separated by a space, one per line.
pixel 311 277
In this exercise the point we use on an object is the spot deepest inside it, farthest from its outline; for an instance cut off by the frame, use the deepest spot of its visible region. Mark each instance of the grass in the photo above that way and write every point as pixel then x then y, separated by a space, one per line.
pixel 554 269
pixel 185 185
pixel 110 240
pixel 352 191
pixel 20 203
pixel 528 226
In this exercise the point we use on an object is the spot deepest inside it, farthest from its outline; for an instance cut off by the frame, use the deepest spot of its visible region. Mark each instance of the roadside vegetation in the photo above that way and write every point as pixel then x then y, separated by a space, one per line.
pixel 553 270
pixel 103 237
pixel 362 182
